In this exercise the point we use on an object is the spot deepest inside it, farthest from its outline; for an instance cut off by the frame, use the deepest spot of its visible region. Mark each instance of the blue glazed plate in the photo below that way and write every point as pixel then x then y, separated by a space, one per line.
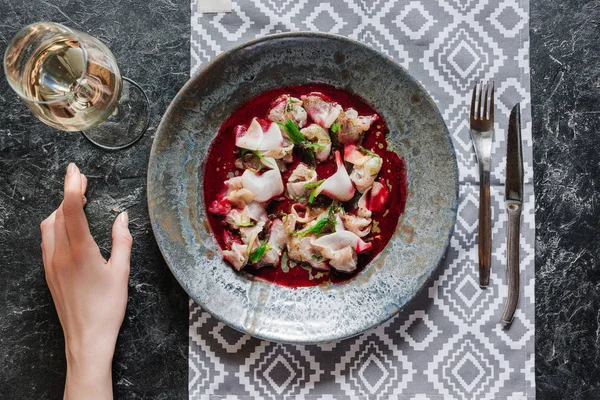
pixel 325 312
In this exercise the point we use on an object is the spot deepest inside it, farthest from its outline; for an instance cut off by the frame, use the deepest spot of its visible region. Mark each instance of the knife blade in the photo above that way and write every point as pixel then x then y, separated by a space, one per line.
pixel 514 158
pixel 514 201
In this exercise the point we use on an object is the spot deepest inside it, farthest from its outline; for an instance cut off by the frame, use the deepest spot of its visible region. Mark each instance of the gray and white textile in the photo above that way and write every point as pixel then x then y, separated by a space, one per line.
pixel 448 344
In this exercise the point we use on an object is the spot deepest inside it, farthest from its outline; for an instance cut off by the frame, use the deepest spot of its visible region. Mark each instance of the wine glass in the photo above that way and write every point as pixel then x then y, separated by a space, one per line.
pixel 71 81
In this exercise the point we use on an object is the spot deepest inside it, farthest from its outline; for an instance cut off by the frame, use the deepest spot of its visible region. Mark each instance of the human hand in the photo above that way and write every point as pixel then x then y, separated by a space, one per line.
pixel 90 293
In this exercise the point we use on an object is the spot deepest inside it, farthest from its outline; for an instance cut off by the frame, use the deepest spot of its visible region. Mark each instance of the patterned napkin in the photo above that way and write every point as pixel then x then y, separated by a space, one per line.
pixel 448 344
pixel 214 6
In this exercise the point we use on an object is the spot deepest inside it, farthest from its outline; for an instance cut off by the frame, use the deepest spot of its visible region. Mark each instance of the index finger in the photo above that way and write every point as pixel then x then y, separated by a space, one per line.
pixel 72 207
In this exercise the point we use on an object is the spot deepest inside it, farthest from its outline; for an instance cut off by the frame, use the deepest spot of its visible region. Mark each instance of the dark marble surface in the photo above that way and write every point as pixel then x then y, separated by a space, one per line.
pixel 565 62
pixel 150 40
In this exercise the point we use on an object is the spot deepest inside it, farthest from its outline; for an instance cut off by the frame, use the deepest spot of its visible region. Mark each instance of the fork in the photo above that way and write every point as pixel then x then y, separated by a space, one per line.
pixel 482 132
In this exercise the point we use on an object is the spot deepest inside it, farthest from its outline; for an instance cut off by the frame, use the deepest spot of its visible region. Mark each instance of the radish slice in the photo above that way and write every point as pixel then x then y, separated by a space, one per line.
pixel 374 198
pixel 339 224
pixel 265 186
pixel 340 239
pixel 321 109
pixel 257 138
pixel 363 246
pixel 251 138
pixel 379 197
pixel 272 138
pixel 353 155
pixel 338 186
pixel 363 204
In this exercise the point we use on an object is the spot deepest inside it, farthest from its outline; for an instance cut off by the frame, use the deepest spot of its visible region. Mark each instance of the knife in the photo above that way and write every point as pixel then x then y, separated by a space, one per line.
pixel 514 201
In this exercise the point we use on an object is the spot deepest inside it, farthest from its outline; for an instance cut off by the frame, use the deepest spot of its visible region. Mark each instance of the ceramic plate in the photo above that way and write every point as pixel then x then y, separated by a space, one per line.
pixel 318 313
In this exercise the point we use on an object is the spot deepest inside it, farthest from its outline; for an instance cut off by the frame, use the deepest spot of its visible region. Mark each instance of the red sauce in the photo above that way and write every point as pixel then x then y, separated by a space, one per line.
pixel 220 167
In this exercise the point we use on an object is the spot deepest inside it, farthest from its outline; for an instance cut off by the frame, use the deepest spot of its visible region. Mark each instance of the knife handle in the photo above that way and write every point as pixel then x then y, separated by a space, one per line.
pixel 485 229
pixel 512 262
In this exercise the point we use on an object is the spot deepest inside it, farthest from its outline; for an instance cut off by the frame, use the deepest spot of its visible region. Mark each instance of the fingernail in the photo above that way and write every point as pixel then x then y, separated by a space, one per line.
pixel 71 169
pixel 124 219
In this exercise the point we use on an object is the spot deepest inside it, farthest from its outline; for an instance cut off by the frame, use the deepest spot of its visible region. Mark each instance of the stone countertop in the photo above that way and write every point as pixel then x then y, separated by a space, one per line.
pixel 565 75
pixel 151 42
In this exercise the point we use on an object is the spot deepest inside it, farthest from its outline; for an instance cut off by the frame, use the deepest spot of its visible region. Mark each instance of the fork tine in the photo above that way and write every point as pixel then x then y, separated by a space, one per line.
pixel 473 101
pixel 485 102
pixel 492 103
pixel 479 101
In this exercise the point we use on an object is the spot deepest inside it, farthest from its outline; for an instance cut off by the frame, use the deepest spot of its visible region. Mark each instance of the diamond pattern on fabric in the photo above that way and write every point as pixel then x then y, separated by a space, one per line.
pixel 470 369
pixel 371 370
pixel 414 20
pixel 448 343
pixel 276 371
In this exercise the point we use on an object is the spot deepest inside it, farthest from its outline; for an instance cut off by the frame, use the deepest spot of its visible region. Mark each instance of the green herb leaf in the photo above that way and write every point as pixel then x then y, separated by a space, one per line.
pixel 260 157
pixel 313 194
pixel 316 228
pixel 297 138
pixel 327 222
pixel 267 163
pixel 244 224
pixel 368 152
pixel 259 252
pixel 313 146
pixel 244 152
pixel 312 185
pixel 248 163
pixel 293 132
pixel 315 187
pixel 335 127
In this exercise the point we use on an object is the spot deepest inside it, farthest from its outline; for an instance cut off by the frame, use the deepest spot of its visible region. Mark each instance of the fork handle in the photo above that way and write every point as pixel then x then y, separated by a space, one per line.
pixel 512 262
pixel 485 228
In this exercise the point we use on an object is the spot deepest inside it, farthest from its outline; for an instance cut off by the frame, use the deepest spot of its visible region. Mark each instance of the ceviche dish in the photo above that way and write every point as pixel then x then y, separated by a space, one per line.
pixel 301 188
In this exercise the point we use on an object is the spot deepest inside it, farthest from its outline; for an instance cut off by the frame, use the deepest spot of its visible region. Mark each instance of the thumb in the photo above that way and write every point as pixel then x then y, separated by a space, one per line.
pixel 121 242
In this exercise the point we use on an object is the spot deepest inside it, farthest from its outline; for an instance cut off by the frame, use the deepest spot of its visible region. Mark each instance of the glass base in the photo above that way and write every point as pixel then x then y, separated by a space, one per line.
pixel 127 123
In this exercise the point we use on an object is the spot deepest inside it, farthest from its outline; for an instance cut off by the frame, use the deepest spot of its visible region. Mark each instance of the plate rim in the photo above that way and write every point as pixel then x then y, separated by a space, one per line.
pixel 299 34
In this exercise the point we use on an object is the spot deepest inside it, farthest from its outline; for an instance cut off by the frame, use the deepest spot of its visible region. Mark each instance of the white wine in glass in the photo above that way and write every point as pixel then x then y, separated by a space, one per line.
pixel 71 81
